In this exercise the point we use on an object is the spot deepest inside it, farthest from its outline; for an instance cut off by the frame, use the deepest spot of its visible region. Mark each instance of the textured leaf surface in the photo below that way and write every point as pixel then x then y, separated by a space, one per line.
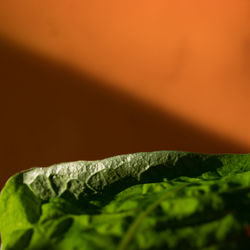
pixel 158 200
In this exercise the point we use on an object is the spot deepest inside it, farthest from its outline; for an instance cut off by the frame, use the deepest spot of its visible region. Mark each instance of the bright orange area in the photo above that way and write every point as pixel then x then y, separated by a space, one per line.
pixel 189 57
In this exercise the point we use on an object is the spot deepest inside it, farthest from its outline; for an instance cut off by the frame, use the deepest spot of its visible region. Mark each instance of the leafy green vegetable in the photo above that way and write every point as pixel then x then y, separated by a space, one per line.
pixel 157 200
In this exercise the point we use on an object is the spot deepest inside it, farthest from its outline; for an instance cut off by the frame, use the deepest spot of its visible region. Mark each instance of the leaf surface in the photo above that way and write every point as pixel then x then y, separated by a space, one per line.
pixel 151 200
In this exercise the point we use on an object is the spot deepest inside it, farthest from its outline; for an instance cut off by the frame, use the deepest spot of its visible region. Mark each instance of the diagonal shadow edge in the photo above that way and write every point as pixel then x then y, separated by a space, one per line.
pixel 52 113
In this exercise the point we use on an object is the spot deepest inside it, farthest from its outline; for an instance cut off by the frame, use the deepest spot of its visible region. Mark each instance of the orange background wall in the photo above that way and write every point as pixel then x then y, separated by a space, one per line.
pixel 92 79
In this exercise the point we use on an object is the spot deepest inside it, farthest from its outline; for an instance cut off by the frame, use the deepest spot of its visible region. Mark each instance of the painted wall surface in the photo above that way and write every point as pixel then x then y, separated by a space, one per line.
pixel 91 79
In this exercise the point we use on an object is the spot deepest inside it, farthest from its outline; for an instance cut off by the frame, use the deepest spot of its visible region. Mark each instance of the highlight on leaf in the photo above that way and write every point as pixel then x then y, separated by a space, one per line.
pixel 151 200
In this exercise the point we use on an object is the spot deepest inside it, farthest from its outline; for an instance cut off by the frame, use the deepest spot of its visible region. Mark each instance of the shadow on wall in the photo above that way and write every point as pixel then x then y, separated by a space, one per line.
pixel 51 114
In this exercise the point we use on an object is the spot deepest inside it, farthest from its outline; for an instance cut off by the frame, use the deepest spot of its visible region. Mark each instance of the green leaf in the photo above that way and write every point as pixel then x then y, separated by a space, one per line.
pixel 20 239
pixel 152 200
